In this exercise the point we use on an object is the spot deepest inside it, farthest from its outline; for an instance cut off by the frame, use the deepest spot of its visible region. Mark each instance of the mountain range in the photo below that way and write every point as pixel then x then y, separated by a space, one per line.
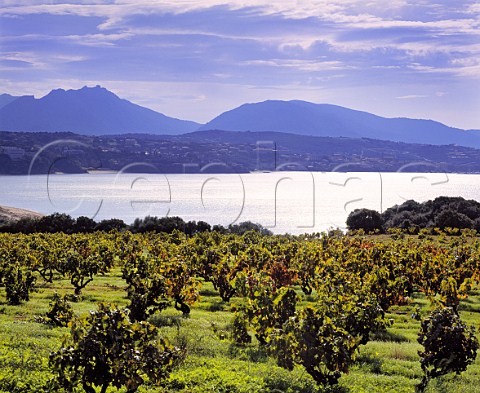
pixel 97 111
pixel 306 118
pixel 89 111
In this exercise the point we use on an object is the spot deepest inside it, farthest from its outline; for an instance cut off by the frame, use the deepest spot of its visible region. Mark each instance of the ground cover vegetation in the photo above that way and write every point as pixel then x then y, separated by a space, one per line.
pixel 215 311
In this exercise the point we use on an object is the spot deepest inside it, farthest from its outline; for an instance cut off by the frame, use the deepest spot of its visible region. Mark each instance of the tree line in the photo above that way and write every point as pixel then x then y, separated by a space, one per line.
pixel 442 212
pixel 64 223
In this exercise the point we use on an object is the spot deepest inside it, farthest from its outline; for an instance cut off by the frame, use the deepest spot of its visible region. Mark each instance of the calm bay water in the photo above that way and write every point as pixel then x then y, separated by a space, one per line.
pixel 294 202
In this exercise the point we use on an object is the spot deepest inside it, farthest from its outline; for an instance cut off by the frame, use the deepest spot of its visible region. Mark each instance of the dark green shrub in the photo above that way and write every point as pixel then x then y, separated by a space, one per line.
pixel 246 226
pixel 442 212
pixel 449 345
pixel 449 218
pixel 366 219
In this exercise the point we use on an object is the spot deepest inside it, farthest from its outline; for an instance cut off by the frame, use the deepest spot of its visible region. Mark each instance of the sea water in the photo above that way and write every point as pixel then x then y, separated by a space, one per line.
pixel 293 202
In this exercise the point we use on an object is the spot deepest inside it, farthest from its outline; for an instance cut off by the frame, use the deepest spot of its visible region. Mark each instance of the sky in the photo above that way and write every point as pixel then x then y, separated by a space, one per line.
pixel 194 59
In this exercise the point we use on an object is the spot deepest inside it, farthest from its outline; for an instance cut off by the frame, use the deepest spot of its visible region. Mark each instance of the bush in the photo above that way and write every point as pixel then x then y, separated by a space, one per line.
pixel 113 224
pixel 147 288
pixel 449 345
pixel 84 225
pixel 60 312
pixel 442 212
pixel 155 224
pixel 366 219
pixel 107 349
pixel 240 329
pixel 246 226
pixel 313 340
pixel 449 218
pixel 19 282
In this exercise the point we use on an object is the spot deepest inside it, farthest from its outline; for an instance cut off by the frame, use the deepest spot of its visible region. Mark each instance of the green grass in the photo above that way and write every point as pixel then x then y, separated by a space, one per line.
pixel 388 363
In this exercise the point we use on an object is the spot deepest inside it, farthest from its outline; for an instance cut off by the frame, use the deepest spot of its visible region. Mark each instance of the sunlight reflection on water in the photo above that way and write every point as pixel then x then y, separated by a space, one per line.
pixel 294 202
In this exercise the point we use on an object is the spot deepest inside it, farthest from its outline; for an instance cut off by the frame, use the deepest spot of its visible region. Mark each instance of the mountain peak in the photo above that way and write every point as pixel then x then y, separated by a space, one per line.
pixel 84 91
pixel 55 93
pixel 6 99
pixel 327 120
pixel 94 89
pixel 89 110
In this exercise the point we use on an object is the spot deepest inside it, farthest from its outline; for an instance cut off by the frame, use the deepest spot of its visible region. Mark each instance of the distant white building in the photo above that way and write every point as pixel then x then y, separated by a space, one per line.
pixel 15 153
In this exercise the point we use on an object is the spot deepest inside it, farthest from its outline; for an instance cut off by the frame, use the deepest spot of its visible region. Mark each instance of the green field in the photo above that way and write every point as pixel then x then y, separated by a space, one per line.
pixel 388 363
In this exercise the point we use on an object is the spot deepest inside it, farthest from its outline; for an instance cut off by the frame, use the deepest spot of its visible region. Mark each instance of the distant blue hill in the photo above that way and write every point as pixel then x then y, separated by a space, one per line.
pixel 305 118
pixel 6 99
pixel 97 111
pixel 88 111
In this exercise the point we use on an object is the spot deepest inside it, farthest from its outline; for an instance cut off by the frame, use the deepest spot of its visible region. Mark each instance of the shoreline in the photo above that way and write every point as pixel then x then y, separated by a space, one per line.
pixel 8 213
pixel 281 172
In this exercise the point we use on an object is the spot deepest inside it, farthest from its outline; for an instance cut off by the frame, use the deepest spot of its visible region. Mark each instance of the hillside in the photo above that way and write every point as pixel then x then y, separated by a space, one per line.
pixel 238 152
pixel 97 111
pixel 88 111
pixel 305 118
pixel 8 214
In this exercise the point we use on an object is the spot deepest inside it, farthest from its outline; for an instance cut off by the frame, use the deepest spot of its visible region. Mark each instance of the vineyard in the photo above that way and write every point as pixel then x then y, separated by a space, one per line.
pixel 213 312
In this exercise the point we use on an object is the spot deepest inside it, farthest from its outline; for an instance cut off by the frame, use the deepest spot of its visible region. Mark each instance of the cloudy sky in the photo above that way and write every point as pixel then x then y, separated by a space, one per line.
pixel 194 59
